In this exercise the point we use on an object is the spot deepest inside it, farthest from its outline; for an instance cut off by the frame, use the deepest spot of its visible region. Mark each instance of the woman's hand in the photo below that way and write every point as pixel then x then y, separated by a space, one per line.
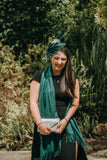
pixel 62 124
pixel 44 129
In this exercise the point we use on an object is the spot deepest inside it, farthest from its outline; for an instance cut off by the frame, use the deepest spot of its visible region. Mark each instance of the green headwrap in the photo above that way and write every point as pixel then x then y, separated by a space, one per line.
pixel 55 46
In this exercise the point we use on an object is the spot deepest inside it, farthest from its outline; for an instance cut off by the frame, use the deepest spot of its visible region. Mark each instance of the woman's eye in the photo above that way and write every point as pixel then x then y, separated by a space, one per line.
pixel 64 59
pixel 56 58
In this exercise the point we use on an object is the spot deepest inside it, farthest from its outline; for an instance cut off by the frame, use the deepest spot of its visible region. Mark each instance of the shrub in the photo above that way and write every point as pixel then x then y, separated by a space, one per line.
pixel 17 126
pixel 16 122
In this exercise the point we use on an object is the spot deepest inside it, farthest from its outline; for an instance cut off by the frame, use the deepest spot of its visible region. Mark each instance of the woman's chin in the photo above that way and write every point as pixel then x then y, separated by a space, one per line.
pixel 58 70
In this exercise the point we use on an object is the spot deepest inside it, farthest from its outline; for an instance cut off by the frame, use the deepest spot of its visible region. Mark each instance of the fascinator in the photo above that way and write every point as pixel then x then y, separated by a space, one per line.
pixel 55 46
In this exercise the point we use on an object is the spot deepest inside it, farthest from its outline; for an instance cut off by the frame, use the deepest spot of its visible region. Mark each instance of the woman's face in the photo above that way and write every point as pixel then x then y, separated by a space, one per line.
pixel 58 62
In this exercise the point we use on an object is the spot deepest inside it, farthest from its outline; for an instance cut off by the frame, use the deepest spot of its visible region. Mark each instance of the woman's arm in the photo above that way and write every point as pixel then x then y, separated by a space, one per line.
pixel 71 110
pixel 75 102
pixel 34 96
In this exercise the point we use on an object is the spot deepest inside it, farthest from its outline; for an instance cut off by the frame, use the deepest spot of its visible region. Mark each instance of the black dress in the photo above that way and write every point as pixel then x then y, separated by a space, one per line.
pixel 68 150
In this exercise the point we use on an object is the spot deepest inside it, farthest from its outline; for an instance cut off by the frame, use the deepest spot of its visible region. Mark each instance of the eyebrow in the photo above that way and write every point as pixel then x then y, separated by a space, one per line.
pixel 59 57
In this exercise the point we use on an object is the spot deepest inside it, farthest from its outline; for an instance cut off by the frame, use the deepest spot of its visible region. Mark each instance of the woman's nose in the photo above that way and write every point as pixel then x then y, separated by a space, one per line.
pixel 59 61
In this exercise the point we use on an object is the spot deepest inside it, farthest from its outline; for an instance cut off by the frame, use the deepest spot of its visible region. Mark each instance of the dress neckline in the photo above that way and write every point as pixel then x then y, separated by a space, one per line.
pixel 57 78
pixel 57 75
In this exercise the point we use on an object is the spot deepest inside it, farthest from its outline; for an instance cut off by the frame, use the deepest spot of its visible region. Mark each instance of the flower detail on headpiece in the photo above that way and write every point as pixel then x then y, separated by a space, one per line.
pixel 55 41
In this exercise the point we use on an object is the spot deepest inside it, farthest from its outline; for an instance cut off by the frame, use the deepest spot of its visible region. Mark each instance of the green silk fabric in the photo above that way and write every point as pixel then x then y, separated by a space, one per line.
pixel 55 46
pixel 50 146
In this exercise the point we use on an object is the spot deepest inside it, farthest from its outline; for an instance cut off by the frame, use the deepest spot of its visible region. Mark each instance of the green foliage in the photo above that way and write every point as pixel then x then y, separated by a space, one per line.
pixel 87 94
pixel 23 22
pixel 96 61
pixel 16 124
pixel 32 22
pixel 87 125
pixel 34 59
pixel 17 127
pixel 63 17
pixel 101 13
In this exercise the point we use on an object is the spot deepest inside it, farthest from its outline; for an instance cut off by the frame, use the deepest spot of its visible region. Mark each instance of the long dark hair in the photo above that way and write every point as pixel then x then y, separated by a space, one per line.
pixel 68 79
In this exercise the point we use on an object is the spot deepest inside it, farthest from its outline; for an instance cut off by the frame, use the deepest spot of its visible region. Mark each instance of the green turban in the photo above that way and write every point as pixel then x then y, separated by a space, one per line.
pixel 55 46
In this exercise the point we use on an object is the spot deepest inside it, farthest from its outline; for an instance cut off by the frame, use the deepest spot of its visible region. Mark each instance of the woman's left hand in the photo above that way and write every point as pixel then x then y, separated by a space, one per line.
pixel 62 124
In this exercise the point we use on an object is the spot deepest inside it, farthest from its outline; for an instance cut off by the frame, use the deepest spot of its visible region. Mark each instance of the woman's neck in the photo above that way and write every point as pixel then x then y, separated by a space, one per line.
pixel 56 73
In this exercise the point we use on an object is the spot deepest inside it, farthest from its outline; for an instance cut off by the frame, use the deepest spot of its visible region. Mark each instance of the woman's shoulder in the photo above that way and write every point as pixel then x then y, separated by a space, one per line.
pixel 37 75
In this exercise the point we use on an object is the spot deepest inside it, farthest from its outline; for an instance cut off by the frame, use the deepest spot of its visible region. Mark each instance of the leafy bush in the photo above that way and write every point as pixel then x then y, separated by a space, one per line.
pixel 87 94
pixel 87 113
pixel 16 129
pixel 87 125
pixel 16 123
pixel 23 22
pixel 34 59
pixel 101 13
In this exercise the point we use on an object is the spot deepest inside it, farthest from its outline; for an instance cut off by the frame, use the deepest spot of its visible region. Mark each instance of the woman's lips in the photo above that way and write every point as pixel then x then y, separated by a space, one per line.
pixel 59 66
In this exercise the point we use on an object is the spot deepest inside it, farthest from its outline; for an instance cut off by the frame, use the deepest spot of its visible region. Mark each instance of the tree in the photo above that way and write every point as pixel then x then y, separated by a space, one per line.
pixel 23 22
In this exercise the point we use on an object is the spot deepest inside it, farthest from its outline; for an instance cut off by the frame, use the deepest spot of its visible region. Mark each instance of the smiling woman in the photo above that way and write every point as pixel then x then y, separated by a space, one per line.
pixel 54 93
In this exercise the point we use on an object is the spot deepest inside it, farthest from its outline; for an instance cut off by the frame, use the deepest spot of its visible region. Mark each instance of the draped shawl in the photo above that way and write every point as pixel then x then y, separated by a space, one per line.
pixel 50 145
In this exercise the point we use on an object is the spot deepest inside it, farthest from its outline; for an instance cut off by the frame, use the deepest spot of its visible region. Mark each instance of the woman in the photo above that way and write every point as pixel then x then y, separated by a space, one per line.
pixel 54 92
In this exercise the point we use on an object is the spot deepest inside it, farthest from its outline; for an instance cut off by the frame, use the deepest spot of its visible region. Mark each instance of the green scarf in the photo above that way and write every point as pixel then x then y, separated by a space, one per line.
pixel 50 146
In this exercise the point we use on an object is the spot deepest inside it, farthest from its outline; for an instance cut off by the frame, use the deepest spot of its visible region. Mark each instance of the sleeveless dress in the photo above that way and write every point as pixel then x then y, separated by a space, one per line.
pixel 68 150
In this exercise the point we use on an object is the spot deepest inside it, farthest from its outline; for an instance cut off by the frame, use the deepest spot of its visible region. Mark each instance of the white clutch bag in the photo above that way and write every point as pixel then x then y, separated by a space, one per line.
pixel 51 122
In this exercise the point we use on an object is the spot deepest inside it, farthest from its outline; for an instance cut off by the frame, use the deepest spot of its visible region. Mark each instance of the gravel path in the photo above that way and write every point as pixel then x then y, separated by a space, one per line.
pixel 26 155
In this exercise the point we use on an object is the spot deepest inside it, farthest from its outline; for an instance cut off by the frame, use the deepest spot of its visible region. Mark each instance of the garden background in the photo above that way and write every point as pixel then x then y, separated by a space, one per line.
pixel 26 29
